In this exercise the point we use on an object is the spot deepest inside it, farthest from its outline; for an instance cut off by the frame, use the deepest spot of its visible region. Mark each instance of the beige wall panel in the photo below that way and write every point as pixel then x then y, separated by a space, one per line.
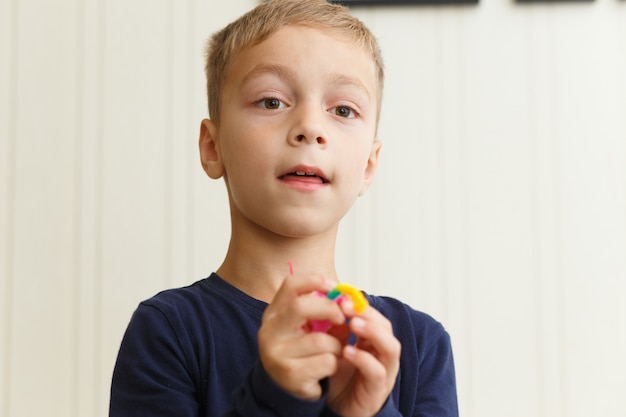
pixel 500 272
pixel 8 71
pixel 136 168
pixel 592 210
pixel 89 385
pixel 40 342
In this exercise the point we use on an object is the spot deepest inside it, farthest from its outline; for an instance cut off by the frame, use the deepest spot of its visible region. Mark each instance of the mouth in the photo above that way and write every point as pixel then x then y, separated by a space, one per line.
pixel 304 174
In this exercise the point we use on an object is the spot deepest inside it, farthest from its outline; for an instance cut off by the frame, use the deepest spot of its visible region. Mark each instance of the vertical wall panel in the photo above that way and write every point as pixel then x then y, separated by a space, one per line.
pixel 91 64
pixel 548 305
pixel 136 166
pixel 77 244
pixel 43 220
pixel 180 140
pixel 589 209
pixel 8 75
pixel 454 162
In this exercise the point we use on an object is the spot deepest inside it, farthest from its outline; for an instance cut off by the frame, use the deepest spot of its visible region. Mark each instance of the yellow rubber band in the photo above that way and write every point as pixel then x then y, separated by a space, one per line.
pixel 358 299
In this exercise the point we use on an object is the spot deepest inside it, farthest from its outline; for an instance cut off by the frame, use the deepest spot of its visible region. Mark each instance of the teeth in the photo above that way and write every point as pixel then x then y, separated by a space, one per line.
pixel 308 174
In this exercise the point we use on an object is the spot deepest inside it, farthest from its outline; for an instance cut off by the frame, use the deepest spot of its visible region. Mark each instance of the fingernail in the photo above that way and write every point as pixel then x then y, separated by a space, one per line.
pixel 348 306
pixel 349 350
pixel 329 284
pixel 357 322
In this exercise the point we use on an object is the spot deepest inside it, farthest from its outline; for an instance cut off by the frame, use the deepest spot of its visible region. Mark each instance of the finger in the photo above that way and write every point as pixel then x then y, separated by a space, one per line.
pixel 366 363
pixel 289 318
pixel 278 355
pixel 375 335
pixel 301 376
pixel 311 344
pixel 299 365
pixel 288 306
pixel 296 285
pixel 370 323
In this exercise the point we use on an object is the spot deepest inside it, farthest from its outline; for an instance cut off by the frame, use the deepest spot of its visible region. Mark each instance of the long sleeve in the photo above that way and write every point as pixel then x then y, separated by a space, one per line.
pixel 261 396
pixel 426 385
pixel 389 410
pixel 436 392
pixel 152 376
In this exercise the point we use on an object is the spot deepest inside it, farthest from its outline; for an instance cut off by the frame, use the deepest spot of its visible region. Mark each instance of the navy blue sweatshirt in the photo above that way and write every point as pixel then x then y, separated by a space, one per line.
pixel 192 352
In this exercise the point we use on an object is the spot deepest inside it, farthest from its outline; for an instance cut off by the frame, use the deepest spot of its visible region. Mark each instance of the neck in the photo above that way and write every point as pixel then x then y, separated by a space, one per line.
pixel 257 260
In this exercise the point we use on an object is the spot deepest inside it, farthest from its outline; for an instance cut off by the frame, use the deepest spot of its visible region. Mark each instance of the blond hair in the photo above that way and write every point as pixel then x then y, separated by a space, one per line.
pixel 267 18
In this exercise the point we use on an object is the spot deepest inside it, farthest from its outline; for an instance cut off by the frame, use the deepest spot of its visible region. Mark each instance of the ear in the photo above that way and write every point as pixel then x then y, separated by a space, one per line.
pixel 370 169
pixel 209 150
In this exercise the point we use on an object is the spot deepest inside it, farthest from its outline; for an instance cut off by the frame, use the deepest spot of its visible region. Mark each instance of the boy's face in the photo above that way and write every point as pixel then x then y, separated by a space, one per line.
pixel 295 142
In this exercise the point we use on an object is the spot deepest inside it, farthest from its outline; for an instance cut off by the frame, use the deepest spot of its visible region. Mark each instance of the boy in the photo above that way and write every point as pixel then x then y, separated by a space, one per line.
pixel 294 97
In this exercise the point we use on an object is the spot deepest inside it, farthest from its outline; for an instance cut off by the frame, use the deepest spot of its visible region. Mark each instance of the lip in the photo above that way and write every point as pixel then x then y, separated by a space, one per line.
pixel 304 177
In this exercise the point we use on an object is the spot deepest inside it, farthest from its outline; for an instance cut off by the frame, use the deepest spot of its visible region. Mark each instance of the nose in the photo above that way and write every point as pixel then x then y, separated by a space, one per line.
pixel 308 129
pixel 302 138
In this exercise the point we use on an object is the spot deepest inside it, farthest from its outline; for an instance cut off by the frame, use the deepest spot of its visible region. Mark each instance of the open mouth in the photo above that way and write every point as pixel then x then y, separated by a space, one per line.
pixel 305 176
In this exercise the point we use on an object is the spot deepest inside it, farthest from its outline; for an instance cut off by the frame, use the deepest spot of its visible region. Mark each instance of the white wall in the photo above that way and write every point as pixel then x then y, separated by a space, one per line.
pixel 499 208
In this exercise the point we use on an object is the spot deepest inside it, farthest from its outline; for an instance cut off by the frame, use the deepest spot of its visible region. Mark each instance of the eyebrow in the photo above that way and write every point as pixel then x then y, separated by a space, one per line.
pixel 342 80
pixel 278 70
pixel 336 79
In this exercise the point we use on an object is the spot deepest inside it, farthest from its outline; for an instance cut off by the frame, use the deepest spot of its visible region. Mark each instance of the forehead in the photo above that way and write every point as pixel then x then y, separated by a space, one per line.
pixel 296 51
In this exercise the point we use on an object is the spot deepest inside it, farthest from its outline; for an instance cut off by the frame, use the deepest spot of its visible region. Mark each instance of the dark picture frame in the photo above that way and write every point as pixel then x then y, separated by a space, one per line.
pixel 401 2
pixel 553 1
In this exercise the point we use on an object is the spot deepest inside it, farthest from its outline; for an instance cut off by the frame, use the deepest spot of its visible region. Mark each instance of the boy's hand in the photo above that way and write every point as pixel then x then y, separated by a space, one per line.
pixel 367 371
pixel 293 357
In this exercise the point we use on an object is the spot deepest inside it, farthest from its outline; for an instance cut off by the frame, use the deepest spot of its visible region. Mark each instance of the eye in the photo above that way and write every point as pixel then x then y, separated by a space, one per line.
pixel 271 103
pixel 344 111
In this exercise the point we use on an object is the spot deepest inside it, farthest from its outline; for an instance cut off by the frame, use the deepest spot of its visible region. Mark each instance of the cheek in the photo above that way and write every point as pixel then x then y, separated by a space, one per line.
pixel 248 170
pixel 356 164
pixel 244 168
pixel 242 152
